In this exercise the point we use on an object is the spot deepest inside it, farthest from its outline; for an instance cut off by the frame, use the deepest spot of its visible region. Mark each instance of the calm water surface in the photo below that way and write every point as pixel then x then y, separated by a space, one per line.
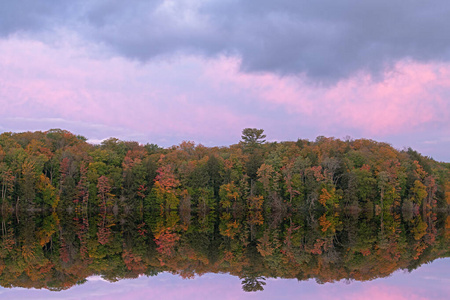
pixel 225 256
pixel 431 281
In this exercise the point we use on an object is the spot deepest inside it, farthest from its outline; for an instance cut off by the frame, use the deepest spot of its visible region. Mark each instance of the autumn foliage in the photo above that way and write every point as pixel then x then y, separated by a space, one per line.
pixel 59 250
pixel 57 170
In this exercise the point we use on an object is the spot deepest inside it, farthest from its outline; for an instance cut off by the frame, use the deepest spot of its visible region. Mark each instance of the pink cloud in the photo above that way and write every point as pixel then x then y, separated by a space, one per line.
pixel 43 81
pixel 409 97
pixel 384 292
pixel 194 98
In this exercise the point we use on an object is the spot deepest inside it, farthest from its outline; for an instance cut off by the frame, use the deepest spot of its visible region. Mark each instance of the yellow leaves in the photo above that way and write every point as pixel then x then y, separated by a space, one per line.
pixel 324 197
pixel 419 230
pixel 447 193
pixel 420 191
pixel 255 202
pixel 49 227
pixel 167 199
pixel 28 252
pixel 228 227
pixel 419 249
pixel 324 222
pixel 447 228
pixel 229 193
pixel 329 223
pixel 255 218
pixel 230 230
pixel 43 182
pixel 36 147
pixel 328 198
pixel 48 191
pixel 27 167
pixel 420 172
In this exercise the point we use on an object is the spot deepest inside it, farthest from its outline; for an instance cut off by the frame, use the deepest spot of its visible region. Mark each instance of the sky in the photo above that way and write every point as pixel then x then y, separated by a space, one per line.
pixel 430 281
pixel 202 70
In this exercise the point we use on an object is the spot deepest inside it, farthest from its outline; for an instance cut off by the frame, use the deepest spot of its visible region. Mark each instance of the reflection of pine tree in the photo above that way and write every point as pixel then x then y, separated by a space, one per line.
pixel 253 283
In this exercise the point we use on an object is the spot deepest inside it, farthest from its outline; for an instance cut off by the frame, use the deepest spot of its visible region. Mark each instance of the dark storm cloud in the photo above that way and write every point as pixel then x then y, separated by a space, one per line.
pixel 327 40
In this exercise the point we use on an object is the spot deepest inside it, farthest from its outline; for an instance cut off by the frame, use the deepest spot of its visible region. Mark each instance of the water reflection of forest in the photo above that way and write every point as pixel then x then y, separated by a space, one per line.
pixel 59 250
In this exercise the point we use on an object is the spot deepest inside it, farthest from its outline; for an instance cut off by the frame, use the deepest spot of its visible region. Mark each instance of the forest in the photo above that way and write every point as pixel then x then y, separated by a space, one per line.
pixel 56 170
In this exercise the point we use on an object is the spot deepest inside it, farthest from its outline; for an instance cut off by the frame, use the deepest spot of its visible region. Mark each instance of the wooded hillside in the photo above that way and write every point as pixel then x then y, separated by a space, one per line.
pixel 57 169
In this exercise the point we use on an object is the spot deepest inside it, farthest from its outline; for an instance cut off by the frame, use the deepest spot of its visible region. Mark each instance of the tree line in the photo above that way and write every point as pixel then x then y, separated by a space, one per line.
pixel 58 170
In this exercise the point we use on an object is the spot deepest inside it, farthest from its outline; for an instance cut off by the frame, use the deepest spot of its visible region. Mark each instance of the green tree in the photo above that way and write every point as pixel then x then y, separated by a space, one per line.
pixel 252 137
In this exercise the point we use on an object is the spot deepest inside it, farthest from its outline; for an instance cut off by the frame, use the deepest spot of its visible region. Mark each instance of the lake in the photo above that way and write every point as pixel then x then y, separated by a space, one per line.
pixel 225 255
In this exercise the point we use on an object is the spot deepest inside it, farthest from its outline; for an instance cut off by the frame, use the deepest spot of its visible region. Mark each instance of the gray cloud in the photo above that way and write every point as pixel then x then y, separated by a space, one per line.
pixel 327 40
pixel 30 15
